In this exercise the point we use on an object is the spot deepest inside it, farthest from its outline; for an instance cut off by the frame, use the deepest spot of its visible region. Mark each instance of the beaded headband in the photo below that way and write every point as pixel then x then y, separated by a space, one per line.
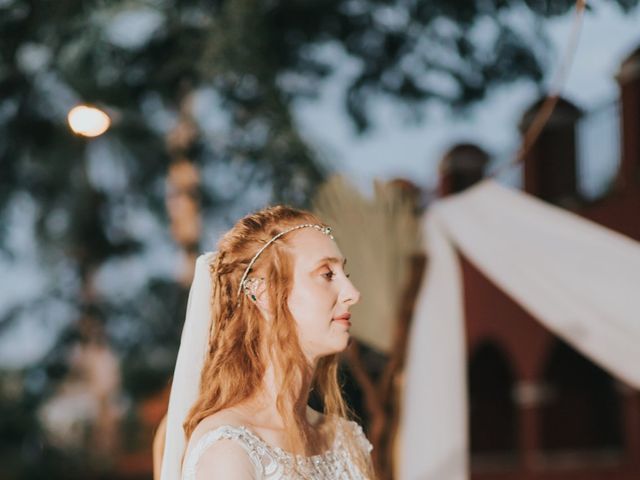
pixel 324 229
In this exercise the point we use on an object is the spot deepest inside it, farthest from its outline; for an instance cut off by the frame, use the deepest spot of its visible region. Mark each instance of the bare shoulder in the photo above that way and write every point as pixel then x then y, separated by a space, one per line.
pixel 222 418
pixel 225 458
pixel 209 454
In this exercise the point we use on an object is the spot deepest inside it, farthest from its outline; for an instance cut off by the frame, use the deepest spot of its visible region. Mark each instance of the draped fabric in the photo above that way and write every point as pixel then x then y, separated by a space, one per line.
pixel 579 279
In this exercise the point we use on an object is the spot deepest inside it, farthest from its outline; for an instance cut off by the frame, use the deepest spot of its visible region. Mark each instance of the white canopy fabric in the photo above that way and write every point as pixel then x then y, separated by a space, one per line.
pixel 579 279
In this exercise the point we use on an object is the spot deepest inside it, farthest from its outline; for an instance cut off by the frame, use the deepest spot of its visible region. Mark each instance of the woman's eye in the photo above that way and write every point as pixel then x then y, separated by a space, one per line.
pixel 329 275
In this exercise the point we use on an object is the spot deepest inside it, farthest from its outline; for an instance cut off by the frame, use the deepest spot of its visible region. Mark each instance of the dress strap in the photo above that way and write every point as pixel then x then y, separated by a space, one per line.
pixel 239 434
pixel 361 438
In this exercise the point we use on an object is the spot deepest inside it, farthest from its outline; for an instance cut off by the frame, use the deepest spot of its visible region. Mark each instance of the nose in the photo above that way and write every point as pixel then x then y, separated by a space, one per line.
pixel 351 295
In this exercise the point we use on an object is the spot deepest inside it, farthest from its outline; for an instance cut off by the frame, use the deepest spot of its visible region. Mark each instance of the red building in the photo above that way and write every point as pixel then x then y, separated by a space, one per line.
pixel 539 410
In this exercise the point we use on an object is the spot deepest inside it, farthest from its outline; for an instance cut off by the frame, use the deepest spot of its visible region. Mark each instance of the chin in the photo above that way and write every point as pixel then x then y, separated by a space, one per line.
pixel 336 347
pixel 341 346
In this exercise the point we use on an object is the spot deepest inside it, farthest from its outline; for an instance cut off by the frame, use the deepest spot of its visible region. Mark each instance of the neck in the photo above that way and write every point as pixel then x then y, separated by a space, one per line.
pixel 264 403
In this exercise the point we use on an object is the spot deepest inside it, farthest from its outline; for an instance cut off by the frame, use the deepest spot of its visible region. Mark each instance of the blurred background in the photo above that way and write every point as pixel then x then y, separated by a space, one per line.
pixel 132 133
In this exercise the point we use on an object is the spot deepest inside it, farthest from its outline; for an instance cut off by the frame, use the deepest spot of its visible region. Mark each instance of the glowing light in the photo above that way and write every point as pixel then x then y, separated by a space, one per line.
pixel 88 121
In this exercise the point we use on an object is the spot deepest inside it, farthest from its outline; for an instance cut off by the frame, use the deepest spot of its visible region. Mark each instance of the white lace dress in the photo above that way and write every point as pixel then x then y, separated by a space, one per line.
pixel 273 463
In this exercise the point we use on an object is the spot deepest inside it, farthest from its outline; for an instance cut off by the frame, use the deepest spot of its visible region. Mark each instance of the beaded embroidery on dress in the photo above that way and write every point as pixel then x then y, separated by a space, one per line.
pixel 273 463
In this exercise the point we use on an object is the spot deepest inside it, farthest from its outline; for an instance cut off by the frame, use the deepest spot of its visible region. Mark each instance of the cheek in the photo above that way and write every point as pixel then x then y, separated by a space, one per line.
pixel 311 305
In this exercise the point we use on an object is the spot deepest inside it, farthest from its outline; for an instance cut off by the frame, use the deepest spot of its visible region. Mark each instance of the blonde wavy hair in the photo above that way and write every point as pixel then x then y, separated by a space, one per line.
pixel 235 365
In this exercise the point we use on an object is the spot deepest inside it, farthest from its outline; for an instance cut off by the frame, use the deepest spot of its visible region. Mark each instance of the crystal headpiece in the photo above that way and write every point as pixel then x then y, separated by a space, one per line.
pixel 322 228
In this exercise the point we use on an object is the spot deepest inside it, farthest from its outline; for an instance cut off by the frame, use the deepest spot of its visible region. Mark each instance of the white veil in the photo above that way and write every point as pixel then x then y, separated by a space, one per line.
pixel 186 377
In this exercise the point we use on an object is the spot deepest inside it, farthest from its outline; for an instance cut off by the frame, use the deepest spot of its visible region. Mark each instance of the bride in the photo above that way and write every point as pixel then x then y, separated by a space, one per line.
pixel 268 314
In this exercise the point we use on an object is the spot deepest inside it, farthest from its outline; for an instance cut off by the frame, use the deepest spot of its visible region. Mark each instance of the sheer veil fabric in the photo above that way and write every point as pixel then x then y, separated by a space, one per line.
pixel 186 377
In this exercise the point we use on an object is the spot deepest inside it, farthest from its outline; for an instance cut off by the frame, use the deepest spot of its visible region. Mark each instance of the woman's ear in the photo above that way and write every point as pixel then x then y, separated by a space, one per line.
pixel 256 290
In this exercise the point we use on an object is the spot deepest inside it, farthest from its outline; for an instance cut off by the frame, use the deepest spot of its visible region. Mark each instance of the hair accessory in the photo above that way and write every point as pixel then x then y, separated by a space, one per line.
pixel 251 286
pixel 322 228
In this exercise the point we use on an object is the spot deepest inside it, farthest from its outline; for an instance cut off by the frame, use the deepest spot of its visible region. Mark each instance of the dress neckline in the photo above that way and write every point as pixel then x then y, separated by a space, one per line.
pixel 284 453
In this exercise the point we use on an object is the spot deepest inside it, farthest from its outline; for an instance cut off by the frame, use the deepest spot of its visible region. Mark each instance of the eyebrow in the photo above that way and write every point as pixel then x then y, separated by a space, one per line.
pixel 331 260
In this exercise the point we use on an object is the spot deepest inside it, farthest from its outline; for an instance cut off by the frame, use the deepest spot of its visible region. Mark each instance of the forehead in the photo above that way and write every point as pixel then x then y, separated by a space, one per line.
pixel 309 246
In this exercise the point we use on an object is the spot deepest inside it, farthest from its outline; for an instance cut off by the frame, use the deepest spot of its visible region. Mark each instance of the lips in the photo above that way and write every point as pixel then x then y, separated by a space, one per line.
pixel 344 319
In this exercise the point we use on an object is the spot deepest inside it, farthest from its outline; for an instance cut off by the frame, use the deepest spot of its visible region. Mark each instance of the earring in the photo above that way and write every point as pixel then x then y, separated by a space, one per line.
pixel 250 287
